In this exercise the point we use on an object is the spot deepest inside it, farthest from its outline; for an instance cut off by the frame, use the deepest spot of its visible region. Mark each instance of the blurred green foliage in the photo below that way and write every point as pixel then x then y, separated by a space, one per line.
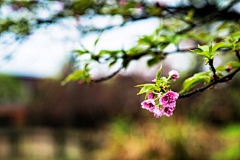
pixel 199 21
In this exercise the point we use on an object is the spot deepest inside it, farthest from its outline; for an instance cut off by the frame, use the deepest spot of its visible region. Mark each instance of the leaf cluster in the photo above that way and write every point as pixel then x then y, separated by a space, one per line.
pixel 160 86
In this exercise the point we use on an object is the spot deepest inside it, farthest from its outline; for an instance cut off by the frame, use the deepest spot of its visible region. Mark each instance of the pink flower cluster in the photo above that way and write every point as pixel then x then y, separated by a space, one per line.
pixel 168 101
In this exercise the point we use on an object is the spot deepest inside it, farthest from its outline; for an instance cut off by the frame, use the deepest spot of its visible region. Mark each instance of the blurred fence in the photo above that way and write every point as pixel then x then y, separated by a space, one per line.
pixel 42 143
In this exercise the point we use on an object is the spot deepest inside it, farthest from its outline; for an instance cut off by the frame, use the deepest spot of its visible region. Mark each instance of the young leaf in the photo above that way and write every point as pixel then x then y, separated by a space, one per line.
pixel 145 40
pixel 158 75
pixel 76 75
pixel 192 81
pixel 218 45
pixel 163 79
pixel 109 52
pixel 205 53
pixel 204 48
pixel 220 68
pixel 196 51
pixel 153 61
pixel 146 88
pixel 112 63
pixel 236 35
pixel 164 45
pixel 147 94
pixel 233 64
pixel 210 48
pixel 212 55
pixel 80 52
pixel 201 74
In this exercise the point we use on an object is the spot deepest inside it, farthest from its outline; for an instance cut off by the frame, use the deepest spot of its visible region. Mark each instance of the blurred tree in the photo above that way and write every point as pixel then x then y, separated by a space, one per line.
pixel 212 24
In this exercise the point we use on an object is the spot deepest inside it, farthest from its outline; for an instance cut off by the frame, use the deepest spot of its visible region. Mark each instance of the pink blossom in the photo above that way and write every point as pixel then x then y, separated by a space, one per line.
pixel 169 99
pixel 229 68
pixel 167 111
pixel 158 112
pixel 150 95
pixel 174 75
pixel 122 2
pixel 154 80
pixel 148 105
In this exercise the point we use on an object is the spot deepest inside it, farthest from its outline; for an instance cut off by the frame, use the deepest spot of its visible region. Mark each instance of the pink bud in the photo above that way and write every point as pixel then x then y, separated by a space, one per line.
pixel 79 82
pixel 229 68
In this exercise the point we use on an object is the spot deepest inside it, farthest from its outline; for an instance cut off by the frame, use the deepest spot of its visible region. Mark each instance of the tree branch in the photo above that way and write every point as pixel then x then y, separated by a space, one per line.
pixel 221 80
pixel 213 69
pixel 237 54
pixel 108 77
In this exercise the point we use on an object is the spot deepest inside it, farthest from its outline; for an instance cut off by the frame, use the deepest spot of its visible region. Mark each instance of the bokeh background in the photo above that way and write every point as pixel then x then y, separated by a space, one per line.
pixel 40 119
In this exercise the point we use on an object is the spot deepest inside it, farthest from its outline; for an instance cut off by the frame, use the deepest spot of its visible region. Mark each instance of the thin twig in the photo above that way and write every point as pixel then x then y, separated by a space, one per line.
pixel 231 5
pixel 108 77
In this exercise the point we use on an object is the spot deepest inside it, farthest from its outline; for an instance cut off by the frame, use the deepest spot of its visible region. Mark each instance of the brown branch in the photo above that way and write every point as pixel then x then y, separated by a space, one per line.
pixel 221 80
pixel 213 69
pixel 237 54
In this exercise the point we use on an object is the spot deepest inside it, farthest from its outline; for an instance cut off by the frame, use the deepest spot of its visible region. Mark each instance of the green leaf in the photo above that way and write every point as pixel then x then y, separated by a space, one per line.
pixel 193 81
pixel 147 94
pixel 146 88
pixel 153 61
pixel 146 40
pixel 80 52
pixel 206 60
pixel 76 75
pixel 204 48
pixel 163 79
pixel 226 46
pixel 218 45
pixel 210 48
pixel 158 75
pixel 205 53
pixel 224 25
pixel 196 51
pixel 201 74
pixel 233 64
pixel 136 50
pixel 212 55
pixel 236 35
pixel 112 63
pixel 98 38
pixel 140 85
pixel 108 52
pixel 163 46
pixel 220 68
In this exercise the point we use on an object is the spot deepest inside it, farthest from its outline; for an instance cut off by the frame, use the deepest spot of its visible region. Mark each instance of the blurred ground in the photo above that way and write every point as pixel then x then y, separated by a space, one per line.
pixel 42 120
